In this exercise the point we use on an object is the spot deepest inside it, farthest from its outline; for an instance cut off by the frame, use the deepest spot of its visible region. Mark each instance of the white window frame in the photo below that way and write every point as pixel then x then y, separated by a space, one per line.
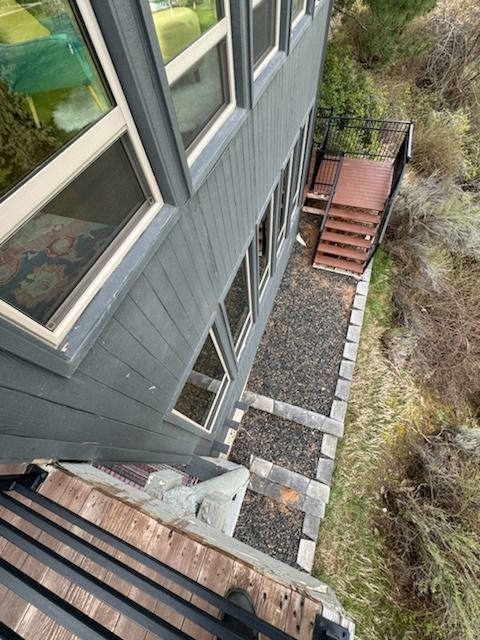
pixel 282 231
pixel 296 200
pixel 189 57
pixel 41 187
pixel 303 11
pixel 268 212
pixel 276 48
pixel 247 325
pixel 219 396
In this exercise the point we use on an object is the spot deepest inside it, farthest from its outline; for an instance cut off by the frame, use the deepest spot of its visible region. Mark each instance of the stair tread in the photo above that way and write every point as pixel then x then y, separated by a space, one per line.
pixel 314 210
pixel 338 263
pixel 350 227
pixel 358 216
pixel 344 252
pixel 342 238
pixel 317 196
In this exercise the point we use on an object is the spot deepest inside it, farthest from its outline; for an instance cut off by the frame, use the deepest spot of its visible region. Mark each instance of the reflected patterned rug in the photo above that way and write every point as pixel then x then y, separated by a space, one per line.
pixel 42 262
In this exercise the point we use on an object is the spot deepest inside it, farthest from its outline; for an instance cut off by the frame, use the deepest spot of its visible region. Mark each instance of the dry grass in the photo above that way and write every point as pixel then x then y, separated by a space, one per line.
pixel 357 554
pixel 433 528
pixel 351 554
pixel 440 144
pixel 435 239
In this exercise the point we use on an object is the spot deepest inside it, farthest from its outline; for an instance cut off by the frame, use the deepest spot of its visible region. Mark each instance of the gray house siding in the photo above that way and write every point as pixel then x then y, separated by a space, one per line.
pixel 117 405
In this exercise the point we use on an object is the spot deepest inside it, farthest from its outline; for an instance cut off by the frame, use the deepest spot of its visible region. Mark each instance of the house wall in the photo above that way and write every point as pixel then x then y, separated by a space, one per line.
pixel 117 405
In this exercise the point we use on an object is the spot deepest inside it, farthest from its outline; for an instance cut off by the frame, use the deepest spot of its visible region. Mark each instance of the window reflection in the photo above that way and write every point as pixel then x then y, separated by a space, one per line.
pixel 50 89
pixel 178 23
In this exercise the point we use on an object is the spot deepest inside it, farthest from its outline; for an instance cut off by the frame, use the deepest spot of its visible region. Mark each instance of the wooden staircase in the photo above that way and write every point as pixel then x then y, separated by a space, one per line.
pixel 353 203
pixel 346 239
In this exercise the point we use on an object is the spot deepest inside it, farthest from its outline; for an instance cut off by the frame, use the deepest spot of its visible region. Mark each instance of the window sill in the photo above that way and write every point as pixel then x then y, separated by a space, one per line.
pixel 299 29
pixel 212 151
pixel 266 76
pixel 65 359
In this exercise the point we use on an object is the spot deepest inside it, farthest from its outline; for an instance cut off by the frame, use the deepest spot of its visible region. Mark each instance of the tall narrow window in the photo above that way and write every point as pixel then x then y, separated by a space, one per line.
pixel 75 185
pixel 238 305
pixel 195 43
pixel 201 395
pixel 283 206
pixel 265 32
pixel 299 8
pixel 264 247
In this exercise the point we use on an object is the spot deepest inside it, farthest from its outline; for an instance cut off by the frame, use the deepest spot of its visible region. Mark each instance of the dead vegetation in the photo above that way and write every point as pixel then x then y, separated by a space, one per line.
pixel 451 66
pixel 435 240
pixel 432 526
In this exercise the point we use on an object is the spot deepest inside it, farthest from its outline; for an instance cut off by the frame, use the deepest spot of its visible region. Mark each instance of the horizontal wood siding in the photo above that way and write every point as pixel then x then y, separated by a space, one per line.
pixel 117 405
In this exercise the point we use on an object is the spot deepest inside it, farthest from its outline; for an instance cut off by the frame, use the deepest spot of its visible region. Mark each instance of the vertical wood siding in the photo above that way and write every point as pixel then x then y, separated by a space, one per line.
pixel 117 404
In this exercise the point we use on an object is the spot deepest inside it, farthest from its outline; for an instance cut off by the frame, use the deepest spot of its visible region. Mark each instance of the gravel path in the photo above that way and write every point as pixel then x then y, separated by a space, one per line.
pixel 277 440
pixel 269 527
pixel 301 350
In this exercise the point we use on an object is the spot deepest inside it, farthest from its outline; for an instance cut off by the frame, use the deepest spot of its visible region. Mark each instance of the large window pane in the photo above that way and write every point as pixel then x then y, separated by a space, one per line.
pixel 237 302
pixel 47 257
pixel 201 93
pixel 179 23
pixel 264 30
pixel 50 89
pixel 203 385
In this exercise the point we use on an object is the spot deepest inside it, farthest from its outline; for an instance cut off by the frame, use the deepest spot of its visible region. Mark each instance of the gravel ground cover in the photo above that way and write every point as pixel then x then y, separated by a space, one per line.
pixel 301 350
pixel 270 527
pixel 277 440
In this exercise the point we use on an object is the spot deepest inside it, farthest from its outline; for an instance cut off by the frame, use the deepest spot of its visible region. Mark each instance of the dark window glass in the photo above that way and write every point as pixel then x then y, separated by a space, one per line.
pixel 263 244
pixel 203 385
pixel 264 30
pixel 237 303
pixel 201 93
pixel 178 23
pixel 42 262
pixel 50 89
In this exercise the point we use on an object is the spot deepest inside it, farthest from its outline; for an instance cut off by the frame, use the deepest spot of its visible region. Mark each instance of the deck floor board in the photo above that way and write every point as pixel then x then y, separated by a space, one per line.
pixel 275 602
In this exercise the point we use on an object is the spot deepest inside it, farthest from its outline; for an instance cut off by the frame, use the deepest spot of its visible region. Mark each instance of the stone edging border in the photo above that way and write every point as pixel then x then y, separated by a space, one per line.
pixel 338 412
pixel 267 478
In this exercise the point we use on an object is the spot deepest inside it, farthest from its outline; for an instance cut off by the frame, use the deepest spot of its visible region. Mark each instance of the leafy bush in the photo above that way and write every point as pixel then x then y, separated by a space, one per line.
pixel 433 528
pixel 346 87
pixel 377 29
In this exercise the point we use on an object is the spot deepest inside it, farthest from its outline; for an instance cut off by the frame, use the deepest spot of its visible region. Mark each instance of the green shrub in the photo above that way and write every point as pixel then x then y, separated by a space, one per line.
pixel 346 87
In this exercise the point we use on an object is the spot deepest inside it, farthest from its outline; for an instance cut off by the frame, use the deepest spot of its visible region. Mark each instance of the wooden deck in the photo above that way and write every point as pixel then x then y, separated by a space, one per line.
pixel 354 216
pixel 363 184
pixel 289 610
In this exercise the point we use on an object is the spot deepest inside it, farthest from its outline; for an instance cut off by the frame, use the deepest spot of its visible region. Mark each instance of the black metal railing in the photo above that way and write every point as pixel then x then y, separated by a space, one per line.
pixel 399 167
pixel 360 137
pixel 48 519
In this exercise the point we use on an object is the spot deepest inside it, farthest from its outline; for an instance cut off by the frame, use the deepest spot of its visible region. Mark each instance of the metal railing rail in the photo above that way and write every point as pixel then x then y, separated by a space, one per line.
pixel 338 169
pixel 399 168
pixel 356 137
pixel 78 622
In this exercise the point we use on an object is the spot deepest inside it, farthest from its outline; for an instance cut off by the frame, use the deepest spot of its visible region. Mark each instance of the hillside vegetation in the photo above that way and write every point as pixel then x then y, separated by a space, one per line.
pixel 401 539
